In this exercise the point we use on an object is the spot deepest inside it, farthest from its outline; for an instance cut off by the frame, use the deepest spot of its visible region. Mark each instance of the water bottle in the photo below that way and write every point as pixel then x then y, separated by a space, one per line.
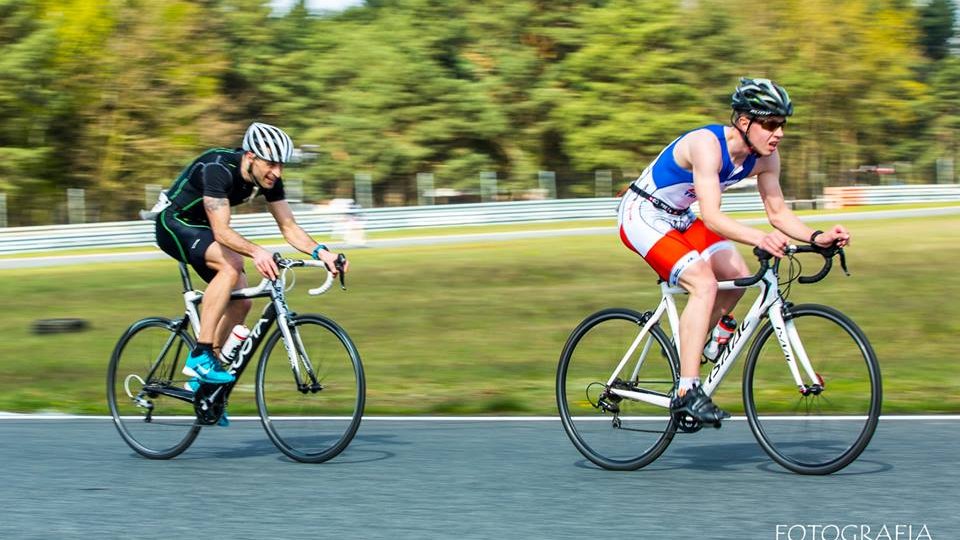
pixel 230 348
pixel 720 337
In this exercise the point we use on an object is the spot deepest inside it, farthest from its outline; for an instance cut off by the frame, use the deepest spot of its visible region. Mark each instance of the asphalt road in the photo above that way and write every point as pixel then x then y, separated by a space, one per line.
pixel 464 479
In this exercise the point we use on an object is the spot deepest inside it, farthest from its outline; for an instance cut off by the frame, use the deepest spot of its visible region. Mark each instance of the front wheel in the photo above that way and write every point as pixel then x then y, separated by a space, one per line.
pixel 824 427
pixel 151 409
pixel 613 431
pixel 311 404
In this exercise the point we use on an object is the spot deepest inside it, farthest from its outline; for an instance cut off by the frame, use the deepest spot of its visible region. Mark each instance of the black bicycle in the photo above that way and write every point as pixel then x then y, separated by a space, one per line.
pixel 310 391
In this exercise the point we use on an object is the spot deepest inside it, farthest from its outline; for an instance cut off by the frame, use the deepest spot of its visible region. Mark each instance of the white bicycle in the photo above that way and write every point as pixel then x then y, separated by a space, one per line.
pixel 812 403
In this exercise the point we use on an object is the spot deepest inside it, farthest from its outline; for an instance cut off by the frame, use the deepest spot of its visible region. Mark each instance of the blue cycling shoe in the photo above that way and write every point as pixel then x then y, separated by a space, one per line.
pixel 207 368
pixel 192 385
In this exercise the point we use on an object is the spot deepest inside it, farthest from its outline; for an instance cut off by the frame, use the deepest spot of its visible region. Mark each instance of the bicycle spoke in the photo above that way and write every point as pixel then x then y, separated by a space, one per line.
pixel 612 431
pixel 820 432
pixel 150 408
pixel 311 421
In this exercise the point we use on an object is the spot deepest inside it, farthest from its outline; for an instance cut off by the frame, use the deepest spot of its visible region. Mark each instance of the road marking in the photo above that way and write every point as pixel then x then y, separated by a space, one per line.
pixel 18 416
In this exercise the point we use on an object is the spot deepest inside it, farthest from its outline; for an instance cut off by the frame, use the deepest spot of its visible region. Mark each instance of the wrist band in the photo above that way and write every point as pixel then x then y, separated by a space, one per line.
pixel 813 236
pixel 316 251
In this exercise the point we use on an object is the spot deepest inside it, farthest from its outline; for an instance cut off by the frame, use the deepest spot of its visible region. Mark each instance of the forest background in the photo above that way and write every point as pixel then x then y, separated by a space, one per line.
pixel 111 95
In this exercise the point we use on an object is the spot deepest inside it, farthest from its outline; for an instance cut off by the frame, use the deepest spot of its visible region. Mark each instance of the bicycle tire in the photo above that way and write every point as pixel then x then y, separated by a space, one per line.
pixel 589 357
pixel 826 431
pixel 311 427
pixel 168 426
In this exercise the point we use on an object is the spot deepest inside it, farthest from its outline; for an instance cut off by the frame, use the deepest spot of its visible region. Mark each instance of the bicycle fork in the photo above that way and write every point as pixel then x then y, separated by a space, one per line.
pixel 793 350
pixel 297 355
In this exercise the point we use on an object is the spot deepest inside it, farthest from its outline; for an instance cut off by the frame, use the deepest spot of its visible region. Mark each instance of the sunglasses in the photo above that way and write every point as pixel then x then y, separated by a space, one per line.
pixel 770 124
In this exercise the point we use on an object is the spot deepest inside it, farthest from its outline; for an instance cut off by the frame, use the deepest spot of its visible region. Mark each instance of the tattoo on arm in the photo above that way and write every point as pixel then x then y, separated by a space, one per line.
pixel 215 204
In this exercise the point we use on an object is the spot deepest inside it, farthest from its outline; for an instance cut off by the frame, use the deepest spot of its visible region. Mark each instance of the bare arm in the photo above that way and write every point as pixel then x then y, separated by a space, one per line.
pixel 704 157
pixel 702 152
pixel 780 215
pixel 294 234
pixel 218 213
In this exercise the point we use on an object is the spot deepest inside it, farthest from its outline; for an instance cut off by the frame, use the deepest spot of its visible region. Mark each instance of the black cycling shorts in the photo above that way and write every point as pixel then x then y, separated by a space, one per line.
pixel 186 242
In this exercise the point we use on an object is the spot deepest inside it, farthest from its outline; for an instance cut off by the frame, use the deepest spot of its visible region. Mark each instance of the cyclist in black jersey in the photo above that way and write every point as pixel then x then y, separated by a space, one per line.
pixel 195 229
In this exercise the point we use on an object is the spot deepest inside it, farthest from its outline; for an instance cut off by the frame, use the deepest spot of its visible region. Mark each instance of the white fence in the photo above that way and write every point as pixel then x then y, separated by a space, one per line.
pixel 321 223
pixel 839 197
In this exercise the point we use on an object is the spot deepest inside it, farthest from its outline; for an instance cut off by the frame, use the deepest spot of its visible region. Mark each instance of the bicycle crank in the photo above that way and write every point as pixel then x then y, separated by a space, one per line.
pixel 688 424
pixel 208 409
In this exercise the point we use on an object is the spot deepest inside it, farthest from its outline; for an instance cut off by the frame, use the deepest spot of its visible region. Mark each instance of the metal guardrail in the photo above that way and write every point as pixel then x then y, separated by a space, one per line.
pixel 322 223
pixel 839 197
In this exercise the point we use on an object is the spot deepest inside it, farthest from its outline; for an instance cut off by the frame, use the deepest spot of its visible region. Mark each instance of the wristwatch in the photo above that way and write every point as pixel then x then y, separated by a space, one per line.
pixel 316 251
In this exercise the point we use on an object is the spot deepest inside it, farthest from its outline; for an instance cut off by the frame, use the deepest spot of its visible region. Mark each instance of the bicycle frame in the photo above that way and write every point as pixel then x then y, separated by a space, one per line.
pixel 275 311
pixel 768 302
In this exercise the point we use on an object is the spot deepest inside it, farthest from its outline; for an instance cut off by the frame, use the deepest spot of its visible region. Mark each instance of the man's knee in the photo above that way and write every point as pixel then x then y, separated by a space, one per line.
pixel 230 270
pixel 699 280
pixel 728 264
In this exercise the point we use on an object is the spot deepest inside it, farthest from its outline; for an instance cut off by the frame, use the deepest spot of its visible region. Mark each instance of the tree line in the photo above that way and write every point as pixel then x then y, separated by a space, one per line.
pixel 112 95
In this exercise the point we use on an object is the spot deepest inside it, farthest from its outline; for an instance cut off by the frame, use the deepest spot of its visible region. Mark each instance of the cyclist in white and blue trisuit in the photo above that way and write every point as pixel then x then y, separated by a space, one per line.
pixel 195 229
pixel 656 221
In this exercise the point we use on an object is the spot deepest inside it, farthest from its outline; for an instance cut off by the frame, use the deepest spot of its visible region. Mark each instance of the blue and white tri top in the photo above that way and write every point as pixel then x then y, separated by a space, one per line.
pixel 673 184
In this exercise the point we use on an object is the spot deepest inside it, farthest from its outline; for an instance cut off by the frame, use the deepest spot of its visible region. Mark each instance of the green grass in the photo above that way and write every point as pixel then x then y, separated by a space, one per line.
pixel 477 328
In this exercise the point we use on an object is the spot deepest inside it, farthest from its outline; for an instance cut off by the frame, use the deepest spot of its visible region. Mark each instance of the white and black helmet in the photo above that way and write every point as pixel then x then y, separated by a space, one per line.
pixel 268 142
pixel 760 98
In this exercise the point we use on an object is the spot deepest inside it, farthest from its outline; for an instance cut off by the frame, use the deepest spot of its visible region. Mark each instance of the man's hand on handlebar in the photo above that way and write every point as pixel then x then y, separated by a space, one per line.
pixel 334 262
pixel 265 264
pixel 774 243
pixel 838 234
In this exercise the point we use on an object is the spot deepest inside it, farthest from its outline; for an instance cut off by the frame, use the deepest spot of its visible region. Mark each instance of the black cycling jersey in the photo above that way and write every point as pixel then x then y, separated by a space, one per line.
pixel 216 173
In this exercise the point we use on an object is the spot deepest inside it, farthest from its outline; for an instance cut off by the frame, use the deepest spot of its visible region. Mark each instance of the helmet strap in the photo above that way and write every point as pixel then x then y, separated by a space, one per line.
pixel 746 139
pixel 253 178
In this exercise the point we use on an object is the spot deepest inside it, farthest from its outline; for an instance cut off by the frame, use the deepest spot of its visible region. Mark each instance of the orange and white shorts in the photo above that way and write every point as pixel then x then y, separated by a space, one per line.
pixel 669 243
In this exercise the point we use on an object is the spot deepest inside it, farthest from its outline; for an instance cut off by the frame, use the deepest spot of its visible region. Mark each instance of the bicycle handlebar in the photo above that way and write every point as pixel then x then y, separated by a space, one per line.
pixel 764 258
pixel 826 252
pixel 286 263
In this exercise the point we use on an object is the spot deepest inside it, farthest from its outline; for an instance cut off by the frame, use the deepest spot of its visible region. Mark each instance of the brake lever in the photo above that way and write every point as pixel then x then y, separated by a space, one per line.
pixel 843 261
pixel 341 259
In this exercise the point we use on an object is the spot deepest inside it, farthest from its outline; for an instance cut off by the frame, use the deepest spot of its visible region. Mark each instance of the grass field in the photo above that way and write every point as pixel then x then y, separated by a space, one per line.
pixel 477 328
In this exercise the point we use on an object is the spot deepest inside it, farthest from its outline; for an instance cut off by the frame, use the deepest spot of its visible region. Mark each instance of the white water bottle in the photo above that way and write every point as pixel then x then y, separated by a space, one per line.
pixel 720 337
pixel 230 348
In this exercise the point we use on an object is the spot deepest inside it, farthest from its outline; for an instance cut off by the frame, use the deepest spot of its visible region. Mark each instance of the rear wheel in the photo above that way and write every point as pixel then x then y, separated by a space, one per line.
pixel 311 412
pixel 143 382
pixel 823 428
pixel 612 431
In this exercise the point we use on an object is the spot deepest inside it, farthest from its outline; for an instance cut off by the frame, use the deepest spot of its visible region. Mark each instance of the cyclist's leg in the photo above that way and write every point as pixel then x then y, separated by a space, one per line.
pixel 725 261
pixel 701 284
pixel 234 314
pixel 189 242
pixel 228 268
pixel 655 235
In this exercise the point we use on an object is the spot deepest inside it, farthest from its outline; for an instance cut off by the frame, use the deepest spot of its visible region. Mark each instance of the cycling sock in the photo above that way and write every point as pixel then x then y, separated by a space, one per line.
pixel 201 347
pixel 687 383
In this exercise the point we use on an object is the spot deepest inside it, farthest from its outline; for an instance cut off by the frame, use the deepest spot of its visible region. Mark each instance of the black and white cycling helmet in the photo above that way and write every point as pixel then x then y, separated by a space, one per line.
pixel 268 142
pixel 761 98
